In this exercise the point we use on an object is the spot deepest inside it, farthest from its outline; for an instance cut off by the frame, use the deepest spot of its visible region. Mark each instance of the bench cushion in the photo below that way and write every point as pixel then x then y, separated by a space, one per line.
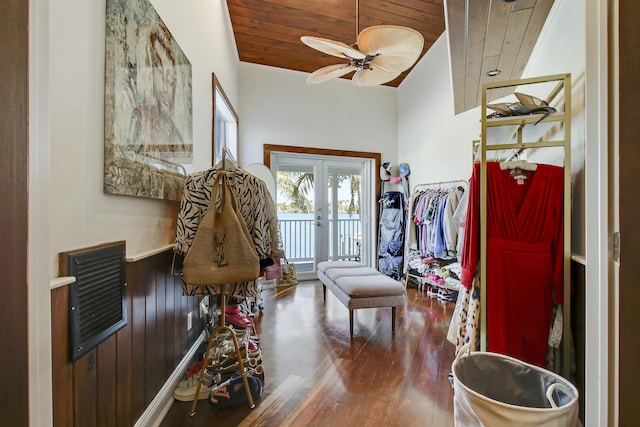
pixel 325 265
pixel 337 273
pixel 370 286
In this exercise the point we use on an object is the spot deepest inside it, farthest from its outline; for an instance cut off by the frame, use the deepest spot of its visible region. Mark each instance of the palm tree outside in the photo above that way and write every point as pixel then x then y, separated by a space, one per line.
pixel 296 207
pixel 296 187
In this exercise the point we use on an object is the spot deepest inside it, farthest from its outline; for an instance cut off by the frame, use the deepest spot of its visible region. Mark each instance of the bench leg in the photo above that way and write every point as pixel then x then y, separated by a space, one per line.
pixel 393 320
pixel 351 322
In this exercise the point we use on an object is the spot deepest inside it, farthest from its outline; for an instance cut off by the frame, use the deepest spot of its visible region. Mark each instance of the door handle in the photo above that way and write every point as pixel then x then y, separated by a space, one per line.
pixel 317 223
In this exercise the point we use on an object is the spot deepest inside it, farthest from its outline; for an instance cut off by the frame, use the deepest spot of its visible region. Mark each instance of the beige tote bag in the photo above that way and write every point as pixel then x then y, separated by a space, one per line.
pixel 222 251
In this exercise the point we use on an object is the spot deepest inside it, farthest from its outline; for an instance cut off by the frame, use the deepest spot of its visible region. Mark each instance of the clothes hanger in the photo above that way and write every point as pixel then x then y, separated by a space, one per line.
pixel 228 162
pixel 518 164
pixel 518 168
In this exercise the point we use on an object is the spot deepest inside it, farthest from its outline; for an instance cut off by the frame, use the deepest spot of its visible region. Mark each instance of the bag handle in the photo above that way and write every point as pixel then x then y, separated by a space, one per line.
pixel 563 388
pixel 464 349
pixel 222 185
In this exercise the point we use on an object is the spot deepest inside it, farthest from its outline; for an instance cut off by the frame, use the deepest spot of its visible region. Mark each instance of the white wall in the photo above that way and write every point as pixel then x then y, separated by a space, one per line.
pixel 436 143
pixel 80 213
pixel 278 107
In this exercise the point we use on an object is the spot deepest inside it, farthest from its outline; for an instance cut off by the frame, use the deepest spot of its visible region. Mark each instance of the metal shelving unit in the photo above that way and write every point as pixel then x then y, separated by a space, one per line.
pixel 504 136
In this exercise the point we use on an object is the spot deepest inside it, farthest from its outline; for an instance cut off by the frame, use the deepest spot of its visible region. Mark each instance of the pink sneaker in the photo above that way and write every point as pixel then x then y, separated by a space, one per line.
pixel 238 320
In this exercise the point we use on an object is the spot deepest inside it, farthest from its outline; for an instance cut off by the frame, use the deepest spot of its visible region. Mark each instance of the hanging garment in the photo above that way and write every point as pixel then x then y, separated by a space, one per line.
pixel 256 207
pixel 524 256
pixel 432 229
pixel 391 234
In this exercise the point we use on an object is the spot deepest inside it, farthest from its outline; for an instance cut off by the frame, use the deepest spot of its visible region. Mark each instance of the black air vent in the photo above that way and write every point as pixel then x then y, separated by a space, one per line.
pixel 97 300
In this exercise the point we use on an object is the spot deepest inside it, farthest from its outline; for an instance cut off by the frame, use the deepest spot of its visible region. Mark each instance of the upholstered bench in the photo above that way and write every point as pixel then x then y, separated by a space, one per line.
pixel 358 286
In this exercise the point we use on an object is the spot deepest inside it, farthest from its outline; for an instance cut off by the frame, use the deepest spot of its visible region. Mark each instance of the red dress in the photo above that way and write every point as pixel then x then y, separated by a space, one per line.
pixel 524 257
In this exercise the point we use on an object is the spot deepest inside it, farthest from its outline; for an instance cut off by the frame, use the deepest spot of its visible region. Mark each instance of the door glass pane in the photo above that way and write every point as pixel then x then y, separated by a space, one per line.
pixel 345 192
pixel 295 205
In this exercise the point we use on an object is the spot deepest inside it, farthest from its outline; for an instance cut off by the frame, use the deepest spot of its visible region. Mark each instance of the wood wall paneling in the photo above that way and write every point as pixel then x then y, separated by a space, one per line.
pixel 124 368
pixel 629 158
pixel 150 353
pixel 107 389
pixel 62 372
pixel 578 329
pixel 113 384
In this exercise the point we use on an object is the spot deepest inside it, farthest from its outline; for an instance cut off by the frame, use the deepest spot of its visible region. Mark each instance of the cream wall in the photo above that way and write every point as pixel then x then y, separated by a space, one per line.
pixel 80 213
pixel 436 143
pixel 67 207
pixel 278 107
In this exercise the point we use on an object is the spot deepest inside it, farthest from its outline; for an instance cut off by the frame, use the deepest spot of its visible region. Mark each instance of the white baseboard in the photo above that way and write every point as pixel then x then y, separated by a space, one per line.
pixel 161 403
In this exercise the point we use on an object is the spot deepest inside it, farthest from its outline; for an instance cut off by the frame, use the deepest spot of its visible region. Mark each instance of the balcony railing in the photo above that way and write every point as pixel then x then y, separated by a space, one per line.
pixel 298 238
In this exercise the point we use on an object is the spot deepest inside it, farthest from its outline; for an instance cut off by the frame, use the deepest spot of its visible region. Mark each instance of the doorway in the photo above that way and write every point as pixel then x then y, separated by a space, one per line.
pixel 324 206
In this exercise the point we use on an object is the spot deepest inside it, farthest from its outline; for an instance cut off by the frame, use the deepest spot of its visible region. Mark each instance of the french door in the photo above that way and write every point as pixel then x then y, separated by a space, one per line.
pixel 324 208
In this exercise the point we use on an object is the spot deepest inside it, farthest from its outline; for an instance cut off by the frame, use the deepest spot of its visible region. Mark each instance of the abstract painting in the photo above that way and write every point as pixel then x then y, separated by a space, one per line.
pixel 148 144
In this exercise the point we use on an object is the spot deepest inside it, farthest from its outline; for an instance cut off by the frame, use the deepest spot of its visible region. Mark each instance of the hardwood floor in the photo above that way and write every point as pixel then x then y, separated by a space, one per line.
pixel 316 376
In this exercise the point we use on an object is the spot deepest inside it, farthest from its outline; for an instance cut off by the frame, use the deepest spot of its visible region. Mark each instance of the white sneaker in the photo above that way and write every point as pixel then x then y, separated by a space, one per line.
pixel 186 390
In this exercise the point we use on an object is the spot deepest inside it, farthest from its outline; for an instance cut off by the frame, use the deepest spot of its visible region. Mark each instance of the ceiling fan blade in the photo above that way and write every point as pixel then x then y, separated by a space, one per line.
pixel 373 77
pixel 391 63
pixel 333 48
pixel 327 73
pixel 401 46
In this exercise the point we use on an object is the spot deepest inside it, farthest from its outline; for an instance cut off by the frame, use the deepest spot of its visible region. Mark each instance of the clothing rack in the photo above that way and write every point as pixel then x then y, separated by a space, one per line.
pixel 417 190
pixel 441 184
pixel 526 135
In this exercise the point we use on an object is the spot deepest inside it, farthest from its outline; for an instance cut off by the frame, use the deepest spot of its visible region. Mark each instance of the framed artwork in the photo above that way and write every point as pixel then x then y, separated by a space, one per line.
pixel 225 124
pixel 148 144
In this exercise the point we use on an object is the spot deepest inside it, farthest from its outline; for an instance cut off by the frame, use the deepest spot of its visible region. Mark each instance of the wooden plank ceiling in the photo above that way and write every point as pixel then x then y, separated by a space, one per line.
pixel 268 32
pixel 483 34
pixel 487 35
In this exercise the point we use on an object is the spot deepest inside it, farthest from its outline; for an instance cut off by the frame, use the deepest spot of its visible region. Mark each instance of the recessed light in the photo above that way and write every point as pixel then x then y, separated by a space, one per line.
pixel 493 73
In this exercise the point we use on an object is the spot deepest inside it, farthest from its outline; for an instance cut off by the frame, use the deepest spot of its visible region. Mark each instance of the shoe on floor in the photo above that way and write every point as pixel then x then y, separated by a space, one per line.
pixel 238 320
pixel 187 389
pixel 232 392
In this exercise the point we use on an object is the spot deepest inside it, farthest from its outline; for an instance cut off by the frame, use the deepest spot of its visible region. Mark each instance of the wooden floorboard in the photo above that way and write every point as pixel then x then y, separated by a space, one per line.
pixel 316 375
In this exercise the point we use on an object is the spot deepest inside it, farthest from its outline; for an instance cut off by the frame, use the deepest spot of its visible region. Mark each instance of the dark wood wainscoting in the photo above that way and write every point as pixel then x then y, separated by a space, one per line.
pixel 114 383
pixel 14 174
pixel 578 329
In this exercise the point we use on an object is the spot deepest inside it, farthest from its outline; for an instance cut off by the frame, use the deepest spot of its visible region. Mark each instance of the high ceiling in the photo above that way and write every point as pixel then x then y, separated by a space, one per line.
pixel 268 32
pixel 483 34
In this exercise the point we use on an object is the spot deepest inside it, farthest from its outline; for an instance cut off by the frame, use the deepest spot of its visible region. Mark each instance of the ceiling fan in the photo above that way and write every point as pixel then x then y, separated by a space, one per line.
pixel 380 54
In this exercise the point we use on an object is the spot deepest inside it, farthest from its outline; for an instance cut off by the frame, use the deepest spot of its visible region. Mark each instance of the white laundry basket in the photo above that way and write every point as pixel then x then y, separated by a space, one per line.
pixel 496 390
